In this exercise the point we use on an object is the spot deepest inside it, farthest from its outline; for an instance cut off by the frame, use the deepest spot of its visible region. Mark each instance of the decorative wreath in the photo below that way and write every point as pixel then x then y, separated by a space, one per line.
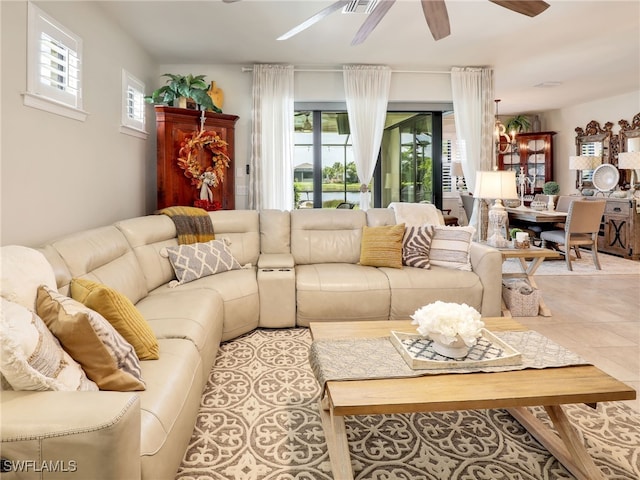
pixel 188 161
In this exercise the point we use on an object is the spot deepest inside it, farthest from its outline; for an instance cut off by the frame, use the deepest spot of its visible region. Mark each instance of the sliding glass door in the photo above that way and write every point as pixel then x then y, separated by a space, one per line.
pixel 409 166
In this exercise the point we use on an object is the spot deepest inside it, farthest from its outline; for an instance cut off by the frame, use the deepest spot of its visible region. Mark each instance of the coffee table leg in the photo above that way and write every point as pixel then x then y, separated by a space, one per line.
pixel 336 436
pixel 568 448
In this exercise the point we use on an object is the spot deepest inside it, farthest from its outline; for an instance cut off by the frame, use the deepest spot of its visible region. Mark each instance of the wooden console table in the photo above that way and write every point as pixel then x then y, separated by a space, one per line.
pixel 620 228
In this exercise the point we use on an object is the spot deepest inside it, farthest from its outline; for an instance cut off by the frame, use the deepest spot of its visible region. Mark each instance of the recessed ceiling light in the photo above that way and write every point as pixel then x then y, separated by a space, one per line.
pixel 548 84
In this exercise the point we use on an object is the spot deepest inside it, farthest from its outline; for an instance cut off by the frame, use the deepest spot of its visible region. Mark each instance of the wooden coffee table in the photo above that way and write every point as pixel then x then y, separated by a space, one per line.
pixel 513 390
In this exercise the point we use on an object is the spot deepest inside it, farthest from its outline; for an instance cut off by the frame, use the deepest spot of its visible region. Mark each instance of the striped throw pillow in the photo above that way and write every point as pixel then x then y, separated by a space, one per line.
pixel 450 247
pixel 416 244
pixel 106 357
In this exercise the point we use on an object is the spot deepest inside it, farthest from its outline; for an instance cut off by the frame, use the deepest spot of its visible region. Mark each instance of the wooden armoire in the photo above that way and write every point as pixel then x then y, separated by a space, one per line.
pixel 172 126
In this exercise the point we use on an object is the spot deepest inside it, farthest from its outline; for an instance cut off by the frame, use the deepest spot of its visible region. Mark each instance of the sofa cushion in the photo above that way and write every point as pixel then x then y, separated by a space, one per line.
pixel 416 244
pixel 102 255
pixel 412 288
pixel 450 247
pixel 31 358
pixel 198 260
pixel 148 235
pixel 382 246
pixel 120 312
pixel 239 292
pixel 326 235
pixel 341 291
pixel 169 406
pixel 194 314
pixel 106 357
pixel 22 271
pixel 275 231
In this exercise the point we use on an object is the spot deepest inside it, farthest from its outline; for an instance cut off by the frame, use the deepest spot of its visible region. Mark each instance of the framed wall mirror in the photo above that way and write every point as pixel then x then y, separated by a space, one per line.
pixel 629 139
pixel 593 140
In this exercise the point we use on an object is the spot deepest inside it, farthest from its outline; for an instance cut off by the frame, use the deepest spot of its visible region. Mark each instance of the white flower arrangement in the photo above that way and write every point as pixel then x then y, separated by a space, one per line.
pixel 448 321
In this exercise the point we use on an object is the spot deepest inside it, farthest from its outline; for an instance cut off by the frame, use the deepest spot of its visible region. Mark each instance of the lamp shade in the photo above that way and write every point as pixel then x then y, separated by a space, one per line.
pixel 584 162
pixel 629 160
pixel 496 184
pixel 456 169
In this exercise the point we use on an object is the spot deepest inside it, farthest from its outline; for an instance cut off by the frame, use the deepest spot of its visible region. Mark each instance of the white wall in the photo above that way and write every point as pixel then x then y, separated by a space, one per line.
pixel 61 175
pixel 565 121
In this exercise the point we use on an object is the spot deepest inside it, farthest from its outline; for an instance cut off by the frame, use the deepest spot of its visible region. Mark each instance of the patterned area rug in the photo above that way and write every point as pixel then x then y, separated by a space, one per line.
pixel 611 265
pixel 259 420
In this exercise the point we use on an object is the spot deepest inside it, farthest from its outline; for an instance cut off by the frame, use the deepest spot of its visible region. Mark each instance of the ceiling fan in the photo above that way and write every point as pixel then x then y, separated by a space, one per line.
pixel 435 13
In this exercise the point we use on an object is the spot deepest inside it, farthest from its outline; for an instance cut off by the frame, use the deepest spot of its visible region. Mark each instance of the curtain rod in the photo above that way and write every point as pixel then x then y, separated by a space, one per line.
pixel 333 70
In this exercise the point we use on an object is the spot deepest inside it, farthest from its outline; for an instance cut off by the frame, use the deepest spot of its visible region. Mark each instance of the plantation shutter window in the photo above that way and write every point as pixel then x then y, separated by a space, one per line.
pixel 133 106
pixel 54 68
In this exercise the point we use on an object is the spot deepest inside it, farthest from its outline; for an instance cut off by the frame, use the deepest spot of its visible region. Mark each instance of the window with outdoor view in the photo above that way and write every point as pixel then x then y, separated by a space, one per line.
pixel 409 166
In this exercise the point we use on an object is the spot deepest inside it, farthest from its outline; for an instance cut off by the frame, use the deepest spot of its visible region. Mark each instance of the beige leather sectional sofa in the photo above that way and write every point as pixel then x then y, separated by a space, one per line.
pixel 300 266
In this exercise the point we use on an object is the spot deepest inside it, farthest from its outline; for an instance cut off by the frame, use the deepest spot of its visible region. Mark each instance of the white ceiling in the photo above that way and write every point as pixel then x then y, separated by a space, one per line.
pixel 592 48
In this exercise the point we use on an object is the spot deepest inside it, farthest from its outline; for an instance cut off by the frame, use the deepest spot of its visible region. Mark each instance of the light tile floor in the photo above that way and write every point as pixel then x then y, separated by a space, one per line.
pixel 597 317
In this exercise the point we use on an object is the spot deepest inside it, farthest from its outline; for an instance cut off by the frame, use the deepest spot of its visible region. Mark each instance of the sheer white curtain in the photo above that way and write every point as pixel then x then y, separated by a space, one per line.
pixel 473 103
pixel 271 175
pixel 367 93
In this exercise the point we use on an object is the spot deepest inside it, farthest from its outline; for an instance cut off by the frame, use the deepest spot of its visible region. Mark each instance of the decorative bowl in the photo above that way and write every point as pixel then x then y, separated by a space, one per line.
pixel 538 205
pixel 512 203
pixel 587 192
pixel 605 177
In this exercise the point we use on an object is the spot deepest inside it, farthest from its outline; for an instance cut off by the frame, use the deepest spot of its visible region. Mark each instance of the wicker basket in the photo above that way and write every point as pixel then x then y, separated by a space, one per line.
pixel 521 305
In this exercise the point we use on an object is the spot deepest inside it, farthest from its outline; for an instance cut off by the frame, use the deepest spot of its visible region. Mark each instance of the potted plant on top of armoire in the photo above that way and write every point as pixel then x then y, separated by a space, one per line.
pixel 181 88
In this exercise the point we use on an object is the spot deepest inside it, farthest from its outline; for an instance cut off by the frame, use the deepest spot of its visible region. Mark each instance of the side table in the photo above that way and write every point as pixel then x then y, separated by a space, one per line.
pixel 535 256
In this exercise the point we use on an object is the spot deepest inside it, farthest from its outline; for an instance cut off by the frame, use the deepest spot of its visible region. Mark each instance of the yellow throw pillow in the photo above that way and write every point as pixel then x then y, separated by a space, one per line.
pixel 119 312
pixel 382 246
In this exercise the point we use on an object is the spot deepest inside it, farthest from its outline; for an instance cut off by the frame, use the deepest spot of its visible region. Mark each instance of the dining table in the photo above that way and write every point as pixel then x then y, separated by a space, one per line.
pixel 529 215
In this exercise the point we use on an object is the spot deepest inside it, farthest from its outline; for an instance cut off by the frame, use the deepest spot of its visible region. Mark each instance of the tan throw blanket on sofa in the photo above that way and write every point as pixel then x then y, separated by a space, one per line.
pixel 193 224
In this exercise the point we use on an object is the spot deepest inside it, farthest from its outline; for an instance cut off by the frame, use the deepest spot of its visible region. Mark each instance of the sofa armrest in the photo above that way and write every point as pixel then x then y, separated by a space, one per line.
pixel 56 434
pixel 486 261
pixel 275 260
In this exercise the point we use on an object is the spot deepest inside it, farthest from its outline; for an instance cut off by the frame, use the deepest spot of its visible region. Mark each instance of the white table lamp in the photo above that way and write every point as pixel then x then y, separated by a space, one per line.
pixel 630 161
pixel 496 185
pixel 456 171
pixel 583 162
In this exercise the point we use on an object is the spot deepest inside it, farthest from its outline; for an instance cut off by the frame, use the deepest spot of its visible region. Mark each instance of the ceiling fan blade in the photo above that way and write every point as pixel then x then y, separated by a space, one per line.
pixel 531 8
pixel 315 19
pixel 435 12
pixel 372 21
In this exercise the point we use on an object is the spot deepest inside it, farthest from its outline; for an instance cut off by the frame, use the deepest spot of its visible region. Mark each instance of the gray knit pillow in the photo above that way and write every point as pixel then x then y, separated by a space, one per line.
pixel 197 260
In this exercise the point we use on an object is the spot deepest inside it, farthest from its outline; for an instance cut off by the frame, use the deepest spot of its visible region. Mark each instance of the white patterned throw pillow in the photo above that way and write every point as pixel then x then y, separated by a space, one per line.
pixel 197 260
pixel 450 247
pixel 31 358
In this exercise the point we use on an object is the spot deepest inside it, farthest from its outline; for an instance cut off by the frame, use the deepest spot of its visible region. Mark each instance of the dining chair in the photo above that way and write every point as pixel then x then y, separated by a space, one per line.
pixel 581 229
pixel 564 201
pixel 467 204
